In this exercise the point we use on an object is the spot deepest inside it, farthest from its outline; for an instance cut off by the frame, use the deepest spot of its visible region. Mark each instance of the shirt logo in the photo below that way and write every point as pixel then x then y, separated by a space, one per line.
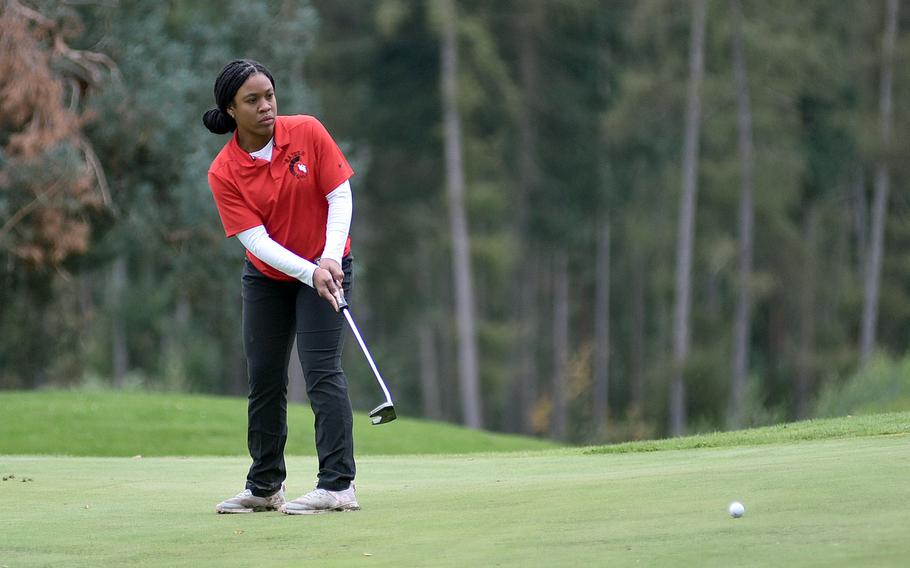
pixel 296 167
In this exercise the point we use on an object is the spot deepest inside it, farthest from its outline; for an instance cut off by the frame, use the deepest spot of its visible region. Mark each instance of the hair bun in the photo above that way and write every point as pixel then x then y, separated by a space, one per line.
pixel 218 121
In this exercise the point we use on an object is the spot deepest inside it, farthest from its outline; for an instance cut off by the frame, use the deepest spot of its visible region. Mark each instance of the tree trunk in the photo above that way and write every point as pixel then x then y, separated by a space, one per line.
pixel 175 352
pixel 86 310
pixel 119 352
pixel 469 380
pixel 449 388
pixel 525 377
pixel 529 338
pixel 872 279
pixel 860 218
pixel 429 375
pixel 559 424
pixel 687 222
pixel 743 319
pixel 235 381
pixel 806 355
pixel 427 357
pixel 601 363
pixel 637 339
pixel 602 331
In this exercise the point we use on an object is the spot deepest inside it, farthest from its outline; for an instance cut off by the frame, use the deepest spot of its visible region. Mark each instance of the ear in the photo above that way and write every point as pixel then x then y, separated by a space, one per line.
pixel 230 110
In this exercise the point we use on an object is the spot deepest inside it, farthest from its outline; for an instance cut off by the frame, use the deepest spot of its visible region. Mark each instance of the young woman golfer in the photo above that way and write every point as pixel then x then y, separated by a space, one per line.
pixel 281 186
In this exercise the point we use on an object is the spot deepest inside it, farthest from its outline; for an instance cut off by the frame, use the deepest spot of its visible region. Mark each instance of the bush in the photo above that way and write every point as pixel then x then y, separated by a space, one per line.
pixel 882 386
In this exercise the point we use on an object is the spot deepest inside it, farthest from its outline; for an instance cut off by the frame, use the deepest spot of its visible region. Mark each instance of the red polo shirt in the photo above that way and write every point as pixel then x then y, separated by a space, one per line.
pixel 286 195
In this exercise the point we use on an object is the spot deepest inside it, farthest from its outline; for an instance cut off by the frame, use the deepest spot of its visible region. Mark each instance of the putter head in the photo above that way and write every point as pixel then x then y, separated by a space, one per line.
pixel 383 413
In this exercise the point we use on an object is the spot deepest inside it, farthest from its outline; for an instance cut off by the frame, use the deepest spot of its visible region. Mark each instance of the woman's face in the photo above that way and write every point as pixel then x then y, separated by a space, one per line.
pixel 254 107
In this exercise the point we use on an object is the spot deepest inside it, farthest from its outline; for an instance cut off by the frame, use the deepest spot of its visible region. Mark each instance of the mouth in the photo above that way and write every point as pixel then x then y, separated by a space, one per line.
pixel 267 120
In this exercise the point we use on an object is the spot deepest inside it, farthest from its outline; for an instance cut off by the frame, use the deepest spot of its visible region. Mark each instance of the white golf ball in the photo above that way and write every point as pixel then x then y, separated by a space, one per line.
pixel 736 509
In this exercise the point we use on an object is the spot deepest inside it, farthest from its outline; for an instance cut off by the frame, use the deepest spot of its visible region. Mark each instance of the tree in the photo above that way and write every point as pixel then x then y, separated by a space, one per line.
pixel 743 319
pixel 602 269
pixel 681 329
pixel 526 186
pixel 872 280
pixel 469 379
pixel 55 192
pixel 601 382
pixel 559 424
pixel 48 216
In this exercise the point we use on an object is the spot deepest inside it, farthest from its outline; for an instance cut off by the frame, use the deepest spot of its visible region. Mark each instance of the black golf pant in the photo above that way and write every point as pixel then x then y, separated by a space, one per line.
pixel 274 312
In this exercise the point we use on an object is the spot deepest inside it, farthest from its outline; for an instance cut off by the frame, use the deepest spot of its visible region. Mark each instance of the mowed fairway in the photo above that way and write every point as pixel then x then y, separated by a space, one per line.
pixel 836 502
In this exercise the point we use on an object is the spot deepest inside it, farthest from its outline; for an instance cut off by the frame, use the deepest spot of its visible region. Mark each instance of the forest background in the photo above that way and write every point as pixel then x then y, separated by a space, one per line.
pixel 585 220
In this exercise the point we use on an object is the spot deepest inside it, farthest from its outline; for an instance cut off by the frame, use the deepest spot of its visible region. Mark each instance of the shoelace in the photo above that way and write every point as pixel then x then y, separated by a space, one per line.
pixel 317 494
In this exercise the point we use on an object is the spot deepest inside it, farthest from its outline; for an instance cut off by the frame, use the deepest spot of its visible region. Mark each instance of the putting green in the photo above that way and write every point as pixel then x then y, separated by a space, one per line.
pixel 836 502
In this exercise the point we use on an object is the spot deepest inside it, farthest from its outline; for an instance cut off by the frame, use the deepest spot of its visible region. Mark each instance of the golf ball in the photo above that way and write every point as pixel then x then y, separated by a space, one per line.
pixel 736 509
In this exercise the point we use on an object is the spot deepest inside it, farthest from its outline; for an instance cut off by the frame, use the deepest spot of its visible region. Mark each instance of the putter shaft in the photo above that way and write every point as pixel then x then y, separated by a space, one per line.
pixel 363 346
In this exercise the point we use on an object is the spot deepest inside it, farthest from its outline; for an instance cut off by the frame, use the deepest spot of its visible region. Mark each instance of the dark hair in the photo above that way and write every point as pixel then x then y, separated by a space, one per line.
pixel 229 81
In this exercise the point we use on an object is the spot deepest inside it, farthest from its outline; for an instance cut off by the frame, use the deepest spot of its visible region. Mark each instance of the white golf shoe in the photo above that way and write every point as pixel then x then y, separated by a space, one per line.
pixel 246 502
pixel 322 501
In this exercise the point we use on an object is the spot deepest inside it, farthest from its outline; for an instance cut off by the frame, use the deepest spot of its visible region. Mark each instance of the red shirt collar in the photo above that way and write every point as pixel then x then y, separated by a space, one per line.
pixel 242 157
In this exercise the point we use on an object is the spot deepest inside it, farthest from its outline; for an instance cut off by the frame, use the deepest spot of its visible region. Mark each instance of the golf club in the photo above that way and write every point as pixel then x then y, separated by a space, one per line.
pixel 385 412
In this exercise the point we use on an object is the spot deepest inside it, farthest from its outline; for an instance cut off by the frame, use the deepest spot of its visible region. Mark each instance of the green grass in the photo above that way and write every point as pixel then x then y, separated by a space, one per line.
pixel 819 493
pixel 125 424
pixel 819 503
pixel 822 429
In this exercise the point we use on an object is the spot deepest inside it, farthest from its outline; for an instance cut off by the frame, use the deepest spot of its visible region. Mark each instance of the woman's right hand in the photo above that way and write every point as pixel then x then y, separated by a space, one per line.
pixel 325 286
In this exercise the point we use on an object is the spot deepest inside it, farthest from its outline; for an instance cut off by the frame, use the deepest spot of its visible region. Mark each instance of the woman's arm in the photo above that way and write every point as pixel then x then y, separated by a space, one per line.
pixel 258 242
pixel 263 247
pixel 341 206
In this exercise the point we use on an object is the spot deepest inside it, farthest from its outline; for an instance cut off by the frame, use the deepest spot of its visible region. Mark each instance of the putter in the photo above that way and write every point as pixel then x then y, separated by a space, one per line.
pixel 385 412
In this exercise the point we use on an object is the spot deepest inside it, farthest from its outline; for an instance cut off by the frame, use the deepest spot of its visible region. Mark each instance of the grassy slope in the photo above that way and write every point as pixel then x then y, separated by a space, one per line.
pixel 125 424
pixel 821 429
pixel 838 502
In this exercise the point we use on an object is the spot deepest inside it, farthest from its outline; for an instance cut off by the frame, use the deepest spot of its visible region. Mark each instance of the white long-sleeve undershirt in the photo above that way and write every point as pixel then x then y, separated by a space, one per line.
pixel 338 224
pixel 262 246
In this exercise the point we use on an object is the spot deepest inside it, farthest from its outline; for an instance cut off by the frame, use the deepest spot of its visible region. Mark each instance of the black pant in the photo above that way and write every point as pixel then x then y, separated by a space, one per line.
pixel 273 312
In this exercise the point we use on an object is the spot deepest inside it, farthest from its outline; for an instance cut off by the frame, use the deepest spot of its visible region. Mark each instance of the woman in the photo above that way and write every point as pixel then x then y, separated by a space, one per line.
pixel 281 186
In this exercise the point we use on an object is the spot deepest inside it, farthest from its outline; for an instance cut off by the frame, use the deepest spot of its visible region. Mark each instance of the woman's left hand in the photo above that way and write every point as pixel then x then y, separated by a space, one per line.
pixel 334 269
pixel 324 284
